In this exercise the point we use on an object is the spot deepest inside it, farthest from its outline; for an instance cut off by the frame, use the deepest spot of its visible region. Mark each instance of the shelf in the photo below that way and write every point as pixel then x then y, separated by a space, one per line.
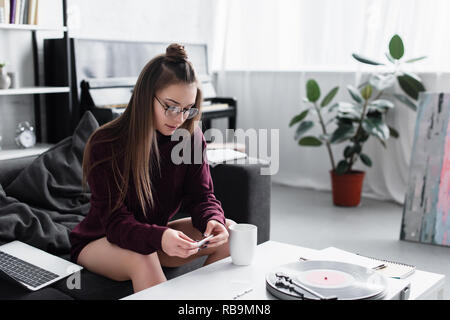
pixel 29 27
pixel 33 90
pixel 8 154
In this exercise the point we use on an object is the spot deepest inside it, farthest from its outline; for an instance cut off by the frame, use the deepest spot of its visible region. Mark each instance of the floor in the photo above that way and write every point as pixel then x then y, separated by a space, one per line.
pixel 308 218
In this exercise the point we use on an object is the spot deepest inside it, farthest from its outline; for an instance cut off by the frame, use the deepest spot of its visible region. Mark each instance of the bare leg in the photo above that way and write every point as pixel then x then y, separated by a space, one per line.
pixel 109 260
pixel 214 254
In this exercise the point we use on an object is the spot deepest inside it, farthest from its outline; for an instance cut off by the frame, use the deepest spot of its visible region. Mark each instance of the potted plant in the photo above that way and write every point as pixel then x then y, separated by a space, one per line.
pixel 356 121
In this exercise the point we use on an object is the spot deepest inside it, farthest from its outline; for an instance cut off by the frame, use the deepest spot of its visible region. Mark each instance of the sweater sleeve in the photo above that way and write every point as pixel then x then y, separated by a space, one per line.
pixel 120 226
pixel 199 199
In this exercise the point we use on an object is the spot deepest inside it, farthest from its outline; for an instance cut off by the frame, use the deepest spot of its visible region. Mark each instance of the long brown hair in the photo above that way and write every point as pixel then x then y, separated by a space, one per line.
pixel 133 134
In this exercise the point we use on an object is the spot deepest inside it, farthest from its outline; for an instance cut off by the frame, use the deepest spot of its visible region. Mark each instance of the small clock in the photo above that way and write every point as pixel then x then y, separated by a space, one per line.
pixel 25 136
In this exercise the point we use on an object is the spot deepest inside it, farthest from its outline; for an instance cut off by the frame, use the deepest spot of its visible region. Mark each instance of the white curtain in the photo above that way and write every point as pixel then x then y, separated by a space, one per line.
pixel 266 50
pixel 321 34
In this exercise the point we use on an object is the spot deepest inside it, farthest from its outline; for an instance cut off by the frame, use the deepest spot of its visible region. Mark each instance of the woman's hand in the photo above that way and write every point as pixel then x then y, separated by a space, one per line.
pixel 219 231
pixel 176 243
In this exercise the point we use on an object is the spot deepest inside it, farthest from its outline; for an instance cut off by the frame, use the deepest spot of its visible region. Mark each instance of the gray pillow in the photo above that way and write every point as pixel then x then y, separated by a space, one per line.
pixel 53 180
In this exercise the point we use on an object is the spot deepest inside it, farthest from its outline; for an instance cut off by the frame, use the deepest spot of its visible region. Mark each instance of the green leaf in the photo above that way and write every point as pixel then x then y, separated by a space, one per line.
pixel 349 110
pixel 366 92
pixel 298 118
pixel 312 90
pixel 362 59
pixel 415 59
pixel 410 85
pixel 329 97
pixel 393 133
pixel 343 132
pixel 310 142
pixel 365 159
pixel 355 94
pixel 302 128
pixel 381 105
pixel 406 101
pixel 396 48
pixel 349 151
pixel 376 127
pixel 342 167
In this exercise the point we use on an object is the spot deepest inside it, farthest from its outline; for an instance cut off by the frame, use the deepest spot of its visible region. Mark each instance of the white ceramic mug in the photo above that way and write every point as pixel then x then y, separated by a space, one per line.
pixel 243 240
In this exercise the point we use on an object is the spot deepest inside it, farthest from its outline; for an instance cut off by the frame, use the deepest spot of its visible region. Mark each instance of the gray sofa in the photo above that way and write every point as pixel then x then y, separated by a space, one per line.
pixel 245 198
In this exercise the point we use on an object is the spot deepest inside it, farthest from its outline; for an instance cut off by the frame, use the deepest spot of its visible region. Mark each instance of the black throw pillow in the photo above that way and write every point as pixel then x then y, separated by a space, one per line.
pixel 53 181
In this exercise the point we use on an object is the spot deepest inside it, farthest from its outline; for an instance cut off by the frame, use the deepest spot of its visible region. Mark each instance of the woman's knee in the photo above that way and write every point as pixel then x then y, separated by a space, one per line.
pixel 146 264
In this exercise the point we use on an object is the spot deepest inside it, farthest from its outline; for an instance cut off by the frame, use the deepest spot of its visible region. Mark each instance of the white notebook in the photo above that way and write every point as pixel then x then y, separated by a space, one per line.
pixel 393 269
pixel 335 254
pixel 390 269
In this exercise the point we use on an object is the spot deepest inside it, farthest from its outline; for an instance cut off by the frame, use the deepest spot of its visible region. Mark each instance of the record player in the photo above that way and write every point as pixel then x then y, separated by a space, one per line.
pixel 333 280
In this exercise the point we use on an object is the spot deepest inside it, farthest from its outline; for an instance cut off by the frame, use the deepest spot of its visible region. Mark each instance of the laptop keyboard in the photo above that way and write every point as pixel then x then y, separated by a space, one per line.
pixel 23 271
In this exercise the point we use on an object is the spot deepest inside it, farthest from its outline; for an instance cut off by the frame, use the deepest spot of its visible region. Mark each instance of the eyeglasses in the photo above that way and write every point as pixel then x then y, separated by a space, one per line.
pixel 174 111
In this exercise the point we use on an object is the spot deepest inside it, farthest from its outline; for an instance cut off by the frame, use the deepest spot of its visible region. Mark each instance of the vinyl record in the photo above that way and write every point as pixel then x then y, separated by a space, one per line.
pixel 325 279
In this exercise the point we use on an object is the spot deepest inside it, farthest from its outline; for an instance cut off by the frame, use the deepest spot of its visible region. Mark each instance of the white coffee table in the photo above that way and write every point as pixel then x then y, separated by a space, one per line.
pixel 223 280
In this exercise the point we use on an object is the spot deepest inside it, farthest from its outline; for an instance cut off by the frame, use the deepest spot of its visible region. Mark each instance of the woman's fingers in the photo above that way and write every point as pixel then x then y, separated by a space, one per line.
pixel 216 244
pixel 217 240
pixel 185 242
pixel 183 253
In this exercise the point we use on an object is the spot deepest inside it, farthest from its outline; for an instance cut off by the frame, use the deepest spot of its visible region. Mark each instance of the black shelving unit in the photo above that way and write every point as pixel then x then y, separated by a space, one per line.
pixel 56 89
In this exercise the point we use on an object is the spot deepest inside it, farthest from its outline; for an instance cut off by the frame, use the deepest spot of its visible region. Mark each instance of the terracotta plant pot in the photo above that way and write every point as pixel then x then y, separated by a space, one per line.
pixel 347 188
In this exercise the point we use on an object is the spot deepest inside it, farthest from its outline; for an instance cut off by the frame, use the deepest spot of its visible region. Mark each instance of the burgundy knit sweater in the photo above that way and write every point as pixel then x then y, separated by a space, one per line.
pixel 127 226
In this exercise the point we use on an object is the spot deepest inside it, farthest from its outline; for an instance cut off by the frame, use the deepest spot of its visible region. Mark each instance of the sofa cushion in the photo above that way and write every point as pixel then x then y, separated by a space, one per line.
pixel 53 180
pixel 46 200
pixel 10 168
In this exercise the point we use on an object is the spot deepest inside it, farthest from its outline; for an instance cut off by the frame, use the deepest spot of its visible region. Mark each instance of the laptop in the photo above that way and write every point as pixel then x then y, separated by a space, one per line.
pixel 31 267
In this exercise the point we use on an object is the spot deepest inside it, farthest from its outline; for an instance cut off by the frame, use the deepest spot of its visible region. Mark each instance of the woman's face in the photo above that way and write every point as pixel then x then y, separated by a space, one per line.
pixel 178 95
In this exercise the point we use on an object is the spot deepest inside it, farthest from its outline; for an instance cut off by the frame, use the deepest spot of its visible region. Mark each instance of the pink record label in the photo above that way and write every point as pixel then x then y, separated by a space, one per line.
pixel 326 278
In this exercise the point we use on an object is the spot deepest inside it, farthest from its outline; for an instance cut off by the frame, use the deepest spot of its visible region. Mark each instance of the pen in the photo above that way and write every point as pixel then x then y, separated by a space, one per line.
pixel 381 266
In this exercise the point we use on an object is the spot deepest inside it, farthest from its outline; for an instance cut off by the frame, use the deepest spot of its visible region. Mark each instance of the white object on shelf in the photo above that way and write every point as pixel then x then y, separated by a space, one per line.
pixel 10 26
pixel 8 154
pixel 215 107
pixel 33 90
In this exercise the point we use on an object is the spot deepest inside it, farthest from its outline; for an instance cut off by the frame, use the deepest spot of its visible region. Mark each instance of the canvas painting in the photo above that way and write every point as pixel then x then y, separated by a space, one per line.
pixel 427 202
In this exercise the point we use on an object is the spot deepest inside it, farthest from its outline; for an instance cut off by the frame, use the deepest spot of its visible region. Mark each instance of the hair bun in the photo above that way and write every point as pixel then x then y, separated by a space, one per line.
pixel 176 53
